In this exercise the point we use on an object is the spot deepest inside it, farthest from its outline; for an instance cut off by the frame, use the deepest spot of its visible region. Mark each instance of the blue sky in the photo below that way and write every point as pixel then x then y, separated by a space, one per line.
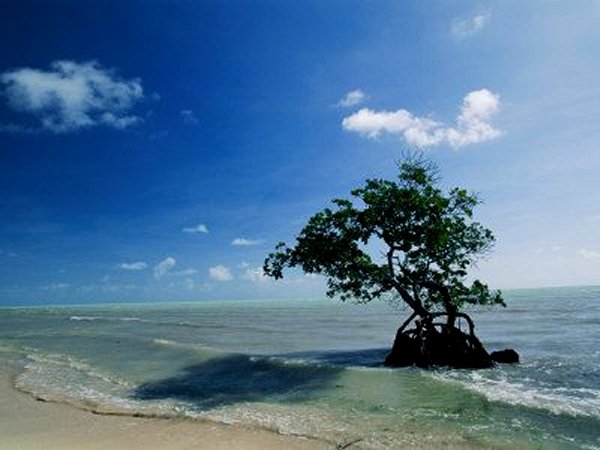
pixel 159 150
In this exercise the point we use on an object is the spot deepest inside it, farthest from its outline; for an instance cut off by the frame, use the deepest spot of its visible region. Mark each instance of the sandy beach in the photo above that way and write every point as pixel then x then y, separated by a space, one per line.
pixel 27 423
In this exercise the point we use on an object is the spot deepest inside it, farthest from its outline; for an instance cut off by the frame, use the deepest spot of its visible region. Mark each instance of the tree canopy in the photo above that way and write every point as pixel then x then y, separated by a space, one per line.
pixel 429 237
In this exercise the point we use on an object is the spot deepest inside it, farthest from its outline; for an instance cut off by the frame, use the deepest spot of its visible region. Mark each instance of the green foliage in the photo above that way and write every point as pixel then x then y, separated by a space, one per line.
pixel 430 242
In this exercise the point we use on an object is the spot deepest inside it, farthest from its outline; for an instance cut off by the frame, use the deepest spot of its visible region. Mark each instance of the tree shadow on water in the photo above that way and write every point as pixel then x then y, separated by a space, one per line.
pixel 239 378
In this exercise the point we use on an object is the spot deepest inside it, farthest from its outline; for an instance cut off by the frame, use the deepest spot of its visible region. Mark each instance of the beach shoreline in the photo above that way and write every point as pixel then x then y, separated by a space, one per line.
pixel 30 423
pixel 196 376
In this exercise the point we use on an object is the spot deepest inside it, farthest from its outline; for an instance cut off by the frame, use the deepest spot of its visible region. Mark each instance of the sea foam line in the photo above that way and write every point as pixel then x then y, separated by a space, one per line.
pixel 570 401
pixel 104 318
pixel 144 321
pixel 62 378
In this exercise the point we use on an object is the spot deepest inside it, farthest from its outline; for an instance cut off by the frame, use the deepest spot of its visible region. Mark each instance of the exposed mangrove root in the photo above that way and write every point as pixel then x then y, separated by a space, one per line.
pixel 431 343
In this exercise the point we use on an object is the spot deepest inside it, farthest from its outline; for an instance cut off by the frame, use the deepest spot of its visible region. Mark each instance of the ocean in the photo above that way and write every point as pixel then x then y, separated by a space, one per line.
pixel 313 368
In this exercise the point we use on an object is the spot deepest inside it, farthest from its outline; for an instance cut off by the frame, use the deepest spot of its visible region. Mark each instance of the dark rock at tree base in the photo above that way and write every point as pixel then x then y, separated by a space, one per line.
pixel 508 356
pixel 428 347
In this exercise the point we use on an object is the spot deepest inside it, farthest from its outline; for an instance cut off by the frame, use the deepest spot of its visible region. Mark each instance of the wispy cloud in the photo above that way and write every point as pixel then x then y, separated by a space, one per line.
pixel 589 254
pixel 198 229
pixel 188 116
pixel 185 272
pixel 552 249
pixel 352 98
pixel 164 267
pixel 106 287
pixel 187 284
pixel 7 253
pixel 472 123
pixel 242 242
pixel 466 27
pixel 56 287
pixel 138 265
pixel 220 273
pixel 71 96
pixel 255 275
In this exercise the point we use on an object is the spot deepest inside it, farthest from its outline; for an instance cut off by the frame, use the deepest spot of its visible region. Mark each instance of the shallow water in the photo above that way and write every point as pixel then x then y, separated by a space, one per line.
pixel 313 368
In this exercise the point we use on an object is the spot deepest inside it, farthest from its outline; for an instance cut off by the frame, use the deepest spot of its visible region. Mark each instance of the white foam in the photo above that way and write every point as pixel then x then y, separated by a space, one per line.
pixel 59 377
pixel 299 420
pixel 41 362
pixel 186 346
pixel 105 318
pixel 498 388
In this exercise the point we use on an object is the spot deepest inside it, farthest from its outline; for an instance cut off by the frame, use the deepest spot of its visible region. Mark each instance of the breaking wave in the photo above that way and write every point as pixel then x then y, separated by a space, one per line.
pixel 526 392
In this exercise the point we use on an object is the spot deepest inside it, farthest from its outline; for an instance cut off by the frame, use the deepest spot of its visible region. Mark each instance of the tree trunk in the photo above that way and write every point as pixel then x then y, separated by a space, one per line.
pixel 451 310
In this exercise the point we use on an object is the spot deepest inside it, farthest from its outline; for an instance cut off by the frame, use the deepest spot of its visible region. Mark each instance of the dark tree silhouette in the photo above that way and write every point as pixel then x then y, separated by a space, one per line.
pixel 429 239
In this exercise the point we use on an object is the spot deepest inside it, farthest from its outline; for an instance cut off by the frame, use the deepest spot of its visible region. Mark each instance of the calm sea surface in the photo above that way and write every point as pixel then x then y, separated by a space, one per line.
pixel 313 368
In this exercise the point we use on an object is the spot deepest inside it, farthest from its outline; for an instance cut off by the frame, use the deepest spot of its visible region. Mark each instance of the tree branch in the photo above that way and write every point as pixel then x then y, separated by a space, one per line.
pixel 451 310
pixel 414 304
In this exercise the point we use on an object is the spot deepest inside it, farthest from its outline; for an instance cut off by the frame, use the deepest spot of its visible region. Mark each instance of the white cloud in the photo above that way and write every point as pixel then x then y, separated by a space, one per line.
pixel 188 116
pixel 472 123
pixel 463 28
pixel 255 275
pixel 242 242
pixel 138 265
pixel 200 228
pixel 352 98
pixel 588 254
pixel 71 96
pixel 220 273
pixel 164 267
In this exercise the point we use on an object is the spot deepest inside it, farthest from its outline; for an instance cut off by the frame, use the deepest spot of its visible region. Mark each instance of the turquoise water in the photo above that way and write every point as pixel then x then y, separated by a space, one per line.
pixel 313 368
